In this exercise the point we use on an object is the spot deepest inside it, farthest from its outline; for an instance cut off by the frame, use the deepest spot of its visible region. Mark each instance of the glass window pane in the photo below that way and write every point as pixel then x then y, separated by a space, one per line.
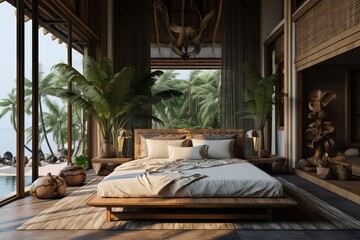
pixel 199 105
pixel 79 131
pixel 28 102
pixel 7 100
pixel 52 110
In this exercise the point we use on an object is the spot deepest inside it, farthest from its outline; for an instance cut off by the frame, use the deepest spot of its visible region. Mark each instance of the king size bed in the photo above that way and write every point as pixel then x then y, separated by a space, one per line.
pixel 189 174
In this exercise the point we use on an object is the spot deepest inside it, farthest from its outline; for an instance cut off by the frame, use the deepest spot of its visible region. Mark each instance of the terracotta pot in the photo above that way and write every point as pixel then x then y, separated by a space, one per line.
pixel 107 150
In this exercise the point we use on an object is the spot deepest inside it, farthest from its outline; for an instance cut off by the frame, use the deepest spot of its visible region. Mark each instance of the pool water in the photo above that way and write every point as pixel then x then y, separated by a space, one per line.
pixel 8 184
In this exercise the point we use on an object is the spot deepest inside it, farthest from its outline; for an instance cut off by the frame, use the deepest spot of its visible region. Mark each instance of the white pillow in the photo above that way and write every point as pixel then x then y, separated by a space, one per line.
pixel 159 148
pixel 218 149
pixel 193 153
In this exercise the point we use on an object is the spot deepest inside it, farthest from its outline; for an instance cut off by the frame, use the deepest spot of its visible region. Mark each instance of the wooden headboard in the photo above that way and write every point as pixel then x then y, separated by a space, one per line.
pixel 238 147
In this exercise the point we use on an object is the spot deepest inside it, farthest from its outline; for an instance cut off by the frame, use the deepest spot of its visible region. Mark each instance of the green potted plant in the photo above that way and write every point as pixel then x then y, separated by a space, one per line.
pixel 110 98
pixel 259 97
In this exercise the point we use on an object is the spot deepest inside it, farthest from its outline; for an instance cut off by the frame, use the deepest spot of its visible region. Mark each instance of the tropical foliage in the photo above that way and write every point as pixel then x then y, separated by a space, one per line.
pixel 259 96
pixel 199 105
pixel 112 99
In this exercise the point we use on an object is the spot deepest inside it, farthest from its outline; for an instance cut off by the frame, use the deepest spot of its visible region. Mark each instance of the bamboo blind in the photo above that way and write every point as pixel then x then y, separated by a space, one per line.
pixel 325 20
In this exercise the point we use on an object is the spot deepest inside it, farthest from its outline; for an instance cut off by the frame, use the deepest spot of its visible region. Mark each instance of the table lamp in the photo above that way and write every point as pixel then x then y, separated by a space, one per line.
pixel 255 136
pixel 123 134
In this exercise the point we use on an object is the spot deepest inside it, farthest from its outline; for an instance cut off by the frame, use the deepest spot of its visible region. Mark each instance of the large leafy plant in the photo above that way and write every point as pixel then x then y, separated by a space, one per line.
pixel 110 98
pixel 259 96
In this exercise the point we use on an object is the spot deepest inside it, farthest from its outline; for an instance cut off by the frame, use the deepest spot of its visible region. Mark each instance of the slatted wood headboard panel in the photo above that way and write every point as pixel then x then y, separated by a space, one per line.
pixel 238 148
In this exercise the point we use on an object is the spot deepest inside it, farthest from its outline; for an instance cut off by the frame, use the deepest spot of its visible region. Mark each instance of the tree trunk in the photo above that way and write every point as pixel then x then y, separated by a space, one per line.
pixel 44 128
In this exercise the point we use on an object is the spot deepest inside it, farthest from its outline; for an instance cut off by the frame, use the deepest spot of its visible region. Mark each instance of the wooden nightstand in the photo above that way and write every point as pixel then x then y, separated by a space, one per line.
pixel 104 166
pixel 277 163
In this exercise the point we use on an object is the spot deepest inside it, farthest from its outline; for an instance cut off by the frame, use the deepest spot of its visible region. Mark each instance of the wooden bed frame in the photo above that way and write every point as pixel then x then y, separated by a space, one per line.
pixel 189 208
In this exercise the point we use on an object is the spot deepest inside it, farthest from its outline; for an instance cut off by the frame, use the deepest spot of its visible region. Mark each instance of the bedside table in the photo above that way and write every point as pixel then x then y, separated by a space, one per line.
pixel 104 166
pixel 275 163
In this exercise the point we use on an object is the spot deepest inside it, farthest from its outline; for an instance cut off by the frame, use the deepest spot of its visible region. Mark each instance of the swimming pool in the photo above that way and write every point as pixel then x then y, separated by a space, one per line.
pixel 8 184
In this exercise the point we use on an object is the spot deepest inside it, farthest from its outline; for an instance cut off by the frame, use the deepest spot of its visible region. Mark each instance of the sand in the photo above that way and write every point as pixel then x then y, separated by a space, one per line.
pixel 54 169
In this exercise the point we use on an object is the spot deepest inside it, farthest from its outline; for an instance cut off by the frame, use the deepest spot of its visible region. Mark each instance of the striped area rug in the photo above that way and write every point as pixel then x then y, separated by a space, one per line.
pixel 71 212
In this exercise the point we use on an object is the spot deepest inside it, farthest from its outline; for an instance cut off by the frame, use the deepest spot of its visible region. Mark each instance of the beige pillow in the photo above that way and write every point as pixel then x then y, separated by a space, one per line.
pixel 193 153
pixel 217 149
pixel 143 137
pixel 159 148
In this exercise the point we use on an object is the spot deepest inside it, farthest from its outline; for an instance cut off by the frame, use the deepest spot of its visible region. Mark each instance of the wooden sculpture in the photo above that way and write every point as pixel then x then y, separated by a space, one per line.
pixel 320 134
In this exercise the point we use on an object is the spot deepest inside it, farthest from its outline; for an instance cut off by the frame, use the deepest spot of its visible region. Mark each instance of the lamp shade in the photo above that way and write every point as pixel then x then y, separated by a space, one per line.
pixel 125 133
pixel 252 134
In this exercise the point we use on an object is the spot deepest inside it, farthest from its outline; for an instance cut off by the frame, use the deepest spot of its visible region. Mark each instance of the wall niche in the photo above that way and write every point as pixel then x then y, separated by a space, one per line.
pixel 326 78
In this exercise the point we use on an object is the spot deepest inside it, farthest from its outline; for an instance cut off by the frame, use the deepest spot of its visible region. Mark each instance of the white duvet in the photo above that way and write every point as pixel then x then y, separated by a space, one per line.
pixel 189 178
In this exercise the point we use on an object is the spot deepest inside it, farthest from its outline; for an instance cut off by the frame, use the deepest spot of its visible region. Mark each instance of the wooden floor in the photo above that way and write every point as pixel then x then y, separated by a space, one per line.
pixel 16 213
pixel 347 189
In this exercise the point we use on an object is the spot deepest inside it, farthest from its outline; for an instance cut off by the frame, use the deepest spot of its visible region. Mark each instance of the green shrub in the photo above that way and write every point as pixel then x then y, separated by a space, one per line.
pixel 81 160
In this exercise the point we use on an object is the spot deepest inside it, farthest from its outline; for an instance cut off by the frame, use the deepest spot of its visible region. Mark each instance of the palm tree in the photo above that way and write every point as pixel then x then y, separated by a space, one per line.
pixel 56 121
pixel 78 131
pixel 206 89
pixel 109 98
pixel 9 106
pixel 43 97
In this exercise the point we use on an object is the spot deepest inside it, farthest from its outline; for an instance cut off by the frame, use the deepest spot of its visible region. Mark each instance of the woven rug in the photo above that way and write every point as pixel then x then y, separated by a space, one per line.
pixel 71 212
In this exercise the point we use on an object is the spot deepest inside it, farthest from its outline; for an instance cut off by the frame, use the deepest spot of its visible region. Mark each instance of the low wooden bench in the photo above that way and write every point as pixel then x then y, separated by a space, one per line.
pixel 104 166
pixel 190 208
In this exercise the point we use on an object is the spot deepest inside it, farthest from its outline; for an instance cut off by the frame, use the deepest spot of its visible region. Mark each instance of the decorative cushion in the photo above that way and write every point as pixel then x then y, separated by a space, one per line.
pixel 218 149
pixel 352 152
pixel 159 148
pixel 48 187
pixel 143 137
pixel 73 175
pixel 194 153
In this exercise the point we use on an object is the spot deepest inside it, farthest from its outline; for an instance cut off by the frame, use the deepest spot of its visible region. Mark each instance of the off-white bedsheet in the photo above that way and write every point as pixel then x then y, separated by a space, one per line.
pixel 189 178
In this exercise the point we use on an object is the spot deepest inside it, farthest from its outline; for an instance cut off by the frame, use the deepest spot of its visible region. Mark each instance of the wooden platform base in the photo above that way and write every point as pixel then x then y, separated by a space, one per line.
pixel 346 189
pixel 189 208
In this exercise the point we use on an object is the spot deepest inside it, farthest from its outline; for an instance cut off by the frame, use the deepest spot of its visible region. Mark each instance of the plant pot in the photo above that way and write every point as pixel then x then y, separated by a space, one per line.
pixel 323 172
pixel 107 150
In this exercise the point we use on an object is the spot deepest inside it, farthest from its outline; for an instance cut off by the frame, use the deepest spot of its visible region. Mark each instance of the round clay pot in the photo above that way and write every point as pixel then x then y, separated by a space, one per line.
pixel 48 187
pixel 264 153
pixel 323 172
pixel 73 175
